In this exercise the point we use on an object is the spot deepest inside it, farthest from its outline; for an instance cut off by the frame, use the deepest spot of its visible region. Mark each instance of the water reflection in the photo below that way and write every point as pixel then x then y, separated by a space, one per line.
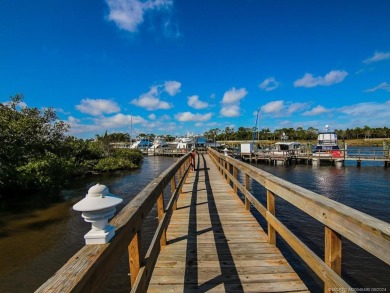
pixel 366 189
pixel 35 244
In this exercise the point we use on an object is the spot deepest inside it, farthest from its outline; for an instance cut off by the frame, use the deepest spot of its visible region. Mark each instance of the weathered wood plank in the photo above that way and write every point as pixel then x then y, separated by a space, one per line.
pixel 366 231
pixel 291 286
pixel 214 244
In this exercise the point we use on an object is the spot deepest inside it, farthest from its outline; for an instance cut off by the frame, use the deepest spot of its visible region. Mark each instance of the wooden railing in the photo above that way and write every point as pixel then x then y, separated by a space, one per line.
pixel 89 269
pixel 368 154
pixel 371 234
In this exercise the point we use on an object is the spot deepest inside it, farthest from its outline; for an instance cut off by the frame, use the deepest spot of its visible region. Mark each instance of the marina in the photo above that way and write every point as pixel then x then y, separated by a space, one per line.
pixel 190 146
pixel 354 155
pixel 357 229
pixel 326 151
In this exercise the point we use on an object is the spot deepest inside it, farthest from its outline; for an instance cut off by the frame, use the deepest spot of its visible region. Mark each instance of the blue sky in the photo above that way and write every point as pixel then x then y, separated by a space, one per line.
pixel 172 67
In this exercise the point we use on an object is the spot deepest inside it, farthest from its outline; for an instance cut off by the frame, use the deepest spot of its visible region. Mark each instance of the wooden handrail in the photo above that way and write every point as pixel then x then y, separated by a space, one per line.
pixel 89 269
pixel 372 234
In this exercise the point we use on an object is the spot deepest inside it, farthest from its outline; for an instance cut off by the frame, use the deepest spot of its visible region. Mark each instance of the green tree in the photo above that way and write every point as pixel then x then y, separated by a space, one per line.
pixel 30 142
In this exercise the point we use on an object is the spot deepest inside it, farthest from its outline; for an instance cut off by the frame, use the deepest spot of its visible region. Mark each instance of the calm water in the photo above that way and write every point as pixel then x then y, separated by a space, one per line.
pixel 35 244
pixel 366 189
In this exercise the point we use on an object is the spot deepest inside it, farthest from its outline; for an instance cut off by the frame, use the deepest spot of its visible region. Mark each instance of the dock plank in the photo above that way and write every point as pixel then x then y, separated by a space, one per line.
pixel 215 245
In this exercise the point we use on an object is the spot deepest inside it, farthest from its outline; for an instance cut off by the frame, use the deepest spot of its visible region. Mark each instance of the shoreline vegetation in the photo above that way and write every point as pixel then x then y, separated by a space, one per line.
pixel 36 154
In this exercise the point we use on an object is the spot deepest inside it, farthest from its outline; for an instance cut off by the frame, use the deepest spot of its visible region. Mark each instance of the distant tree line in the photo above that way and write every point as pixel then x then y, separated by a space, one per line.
pixel 299 133
pixel 36 153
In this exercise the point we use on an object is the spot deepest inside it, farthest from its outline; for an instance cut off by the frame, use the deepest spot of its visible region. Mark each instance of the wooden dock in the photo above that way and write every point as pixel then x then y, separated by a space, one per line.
pixel 207 240
pixel 308 158
pixel 214 244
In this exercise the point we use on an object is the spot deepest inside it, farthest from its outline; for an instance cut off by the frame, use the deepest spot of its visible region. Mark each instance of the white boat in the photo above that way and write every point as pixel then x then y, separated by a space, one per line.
pixel 327 149
pixel 158 145
pixel 287 148
pixel 185 144
pixel 141 143
pixel 327 144
pixel 283 149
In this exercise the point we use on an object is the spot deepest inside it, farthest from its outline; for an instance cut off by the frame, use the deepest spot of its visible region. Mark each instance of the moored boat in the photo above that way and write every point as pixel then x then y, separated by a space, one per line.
pixel 327 148
pixel 159 144
pixel 141 143
pixel 327 144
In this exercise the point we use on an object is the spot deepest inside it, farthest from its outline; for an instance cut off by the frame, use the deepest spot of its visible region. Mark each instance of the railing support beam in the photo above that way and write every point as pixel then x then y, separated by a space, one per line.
pixel 333 251
pixel 247 187
pixel 134 258
pixel 173 187
pixel 160 213
pixel 235 177
pixel 271 210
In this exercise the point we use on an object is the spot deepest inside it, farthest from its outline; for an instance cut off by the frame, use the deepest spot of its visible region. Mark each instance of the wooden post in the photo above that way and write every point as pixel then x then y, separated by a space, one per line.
pixel 160 213
pixel 134 250
pixel 271 209
pixel 235 176
pixel 173 187
pixel 187 163
pixel 181 172
pixel 247 202
pixel 333 251
pixel 227 172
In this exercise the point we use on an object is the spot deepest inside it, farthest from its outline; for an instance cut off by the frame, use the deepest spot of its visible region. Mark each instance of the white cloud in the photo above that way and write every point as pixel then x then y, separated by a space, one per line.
pixel 234 95
pixel 316 111
pixel 129 14
pixel 152 117
pixel 97 107
pixel 269 84
pixel 188 116
pixel 333 77
pixel 281 108
pixel 151 100
pixel 274 107
pixel 296 107
pixel 103 123
pixel 231 102
pixel 383 86
pixel 370 109
pixel 172 87
pixel 73 120
pixel 119 120
pixel 195 103
pixel 230 110
pixel 378 56
pixel 78 128
pixel 362 114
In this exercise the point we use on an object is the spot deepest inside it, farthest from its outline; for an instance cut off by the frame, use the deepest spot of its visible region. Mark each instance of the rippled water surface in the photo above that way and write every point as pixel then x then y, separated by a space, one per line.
pixel 35 244
pixel 366 189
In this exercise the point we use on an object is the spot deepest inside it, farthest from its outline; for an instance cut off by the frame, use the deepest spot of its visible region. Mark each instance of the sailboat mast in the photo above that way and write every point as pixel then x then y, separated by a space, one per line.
pixel 254 129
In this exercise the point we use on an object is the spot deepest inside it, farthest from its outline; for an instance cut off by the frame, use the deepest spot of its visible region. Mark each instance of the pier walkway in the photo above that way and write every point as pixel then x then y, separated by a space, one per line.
pixel 207 240
pixel 214 244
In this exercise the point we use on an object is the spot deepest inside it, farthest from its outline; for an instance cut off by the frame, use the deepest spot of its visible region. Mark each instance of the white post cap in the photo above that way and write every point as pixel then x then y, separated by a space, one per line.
pixel 98 198
pixel 97 207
